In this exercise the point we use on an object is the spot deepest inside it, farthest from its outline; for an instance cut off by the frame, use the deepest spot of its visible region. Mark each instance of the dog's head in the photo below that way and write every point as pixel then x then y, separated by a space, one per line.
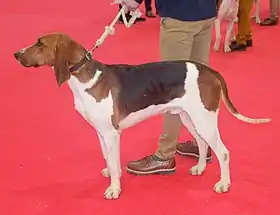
pixel 55 50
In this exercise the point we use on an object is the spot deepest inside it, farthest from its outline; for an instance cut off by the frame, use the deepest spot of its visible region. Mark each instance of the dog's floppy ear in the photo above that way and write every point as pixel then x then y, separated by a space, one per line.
pixel 61 65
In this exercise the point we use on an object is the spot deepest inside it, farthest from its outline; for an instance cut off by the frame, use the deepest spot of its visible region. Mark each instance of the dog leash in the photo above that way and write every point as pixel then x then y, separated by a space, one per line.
pixel 110 30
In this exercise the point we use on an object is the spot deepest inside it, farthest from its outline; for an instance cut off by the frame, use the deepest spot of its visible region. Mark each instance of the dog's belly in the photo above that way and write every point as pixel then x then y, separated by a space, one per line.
pixel 175 106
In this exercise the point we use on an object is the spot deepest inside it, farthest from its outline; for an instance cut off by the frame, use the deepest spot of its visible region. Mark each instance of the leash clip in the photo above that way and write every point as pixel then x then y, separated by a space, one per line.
pixel 88 55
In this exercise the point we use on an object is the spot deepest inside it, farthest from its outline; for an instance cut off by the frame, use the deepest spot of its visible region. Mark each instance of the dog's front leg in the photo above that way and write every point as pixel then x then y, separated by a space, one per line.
pixel 112 150
pixel 105 171
pixel 258 19
pixel 228 36
pixel 218 34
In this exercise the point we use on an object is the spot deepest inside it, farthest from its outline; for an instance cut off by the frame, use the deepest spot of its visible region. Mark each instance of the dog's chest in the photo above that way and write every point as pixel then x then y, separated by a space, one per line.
pixel 96 113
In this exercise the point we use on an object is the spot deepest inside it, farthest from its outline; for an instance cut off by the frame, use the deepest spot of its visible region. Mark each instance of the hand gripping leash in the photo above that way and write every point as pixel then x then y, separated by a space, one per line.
pixel 109 30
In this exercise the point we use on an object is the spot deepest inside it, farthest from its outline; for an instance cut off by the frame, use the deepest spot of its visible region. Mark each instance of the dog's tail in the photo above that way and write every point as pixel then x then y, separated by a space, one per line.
pixel 231 107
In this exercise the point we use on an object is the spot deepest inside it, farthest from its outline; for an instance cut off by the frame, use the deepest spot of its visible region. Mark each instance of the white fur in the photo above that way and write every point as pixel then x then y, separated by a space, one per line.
pixel 228 11
pixel 201 123
pixel 257 12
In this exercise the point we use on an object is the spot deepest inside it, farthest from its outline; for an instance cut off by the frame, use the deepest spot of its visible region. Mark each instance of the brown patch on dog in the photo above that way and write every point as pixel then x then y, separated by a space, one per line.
pixel 105 84
pixel 212 86
pixel 100 90
pixel 57 50
pixel 210 89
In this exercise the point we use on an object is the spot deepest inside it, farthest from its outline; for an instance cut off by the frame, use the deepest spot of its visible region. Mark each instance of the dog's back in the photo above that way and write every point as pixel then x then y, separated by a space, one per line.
pixel 150 83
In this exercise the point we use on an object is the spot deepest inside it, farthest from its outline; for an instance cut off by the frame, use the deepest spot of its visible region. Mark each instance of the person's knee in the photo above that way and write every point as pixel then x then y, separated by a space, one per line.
pixel 245 7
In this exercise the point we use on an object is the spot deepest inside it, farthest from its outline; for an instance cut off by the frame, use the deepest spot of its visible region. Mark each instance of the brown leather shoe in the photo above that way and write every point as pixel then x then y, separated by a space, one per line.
pixel 151 165
pixel 190 149
pixel 238 47
pixel 270 21
pixel 248 42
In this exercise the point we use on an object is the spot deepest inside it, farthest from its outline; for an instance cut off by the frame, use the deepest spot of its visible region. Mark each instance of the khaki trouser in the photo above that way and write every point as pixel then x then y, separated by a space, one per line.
pixel 244 21
pixel 274 7
pixel 181 40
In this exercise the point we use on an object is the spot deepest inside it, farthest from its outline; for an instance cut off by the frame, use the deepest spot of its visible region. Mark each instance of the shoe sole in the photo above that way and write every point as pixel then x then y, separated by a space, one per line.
pixel 208 159
pixel 154 172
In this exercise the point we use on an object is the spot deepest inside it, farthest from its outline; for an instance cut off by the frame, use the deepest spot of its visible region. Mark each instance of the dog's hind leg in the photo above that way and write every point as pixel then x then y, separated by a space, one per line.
pixel 206 125
pixel 199 168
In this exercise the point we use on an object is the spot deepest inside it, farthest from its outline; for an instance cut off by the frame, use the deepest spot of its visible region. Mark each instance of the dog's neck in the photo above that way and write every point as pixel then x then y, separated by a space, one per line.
pixel 91 69
pixel 95 78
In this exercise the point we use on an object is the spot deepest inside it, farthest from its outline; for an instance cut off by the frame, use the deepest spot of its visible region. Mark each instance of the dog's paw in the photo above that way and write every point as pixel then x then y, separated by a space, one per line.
pixel 105 172
pixel 197 169
pixel 216 47
pixel 112 192
pixel 222 186
pixel 227 49
pixel 258 21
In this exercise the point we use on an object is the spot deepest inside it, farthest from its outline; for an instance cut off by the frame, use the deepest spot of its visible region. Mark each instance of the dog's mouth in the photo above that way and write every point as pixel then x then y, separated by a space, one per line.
pixel 27 65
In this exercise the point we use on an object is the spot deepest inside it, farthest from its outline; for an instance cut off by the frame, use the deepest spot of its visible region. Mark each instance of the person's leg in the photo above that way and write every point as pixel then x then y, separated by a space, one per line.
pixel 202 42
pixel 148 8
pixel 176 43
pixel 273 18
pixel 244 26
pixel 200 53
pixel 148 5
pixel 156 6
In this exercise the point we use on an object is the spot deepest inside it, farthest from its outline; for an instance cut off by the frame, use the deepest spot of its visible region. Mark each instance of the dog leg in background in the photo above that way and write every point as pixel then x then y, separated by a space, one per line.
pixel 112 147
pixel 257 12
pixel 233 37
pixel 218 34
pixel 206 123
pixel 199 168
pixel 258 19
pixel 228 39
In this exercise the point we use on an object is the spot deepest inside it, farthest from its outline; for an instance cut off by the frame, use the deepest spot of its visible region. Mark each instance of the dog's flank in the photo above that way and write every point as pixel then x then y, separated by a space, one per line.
pixel 114 97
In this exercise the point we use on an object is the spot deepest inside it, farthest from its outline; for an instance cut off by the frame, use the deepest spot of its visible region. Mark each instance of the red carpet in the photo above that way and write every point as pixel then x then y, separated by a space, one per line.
pixel 51 159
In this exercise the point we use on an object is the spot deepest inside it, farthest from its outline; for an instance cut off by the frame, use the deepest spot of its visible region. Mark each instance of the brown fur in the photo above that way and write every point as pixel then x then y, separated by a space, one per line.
pixel 57 50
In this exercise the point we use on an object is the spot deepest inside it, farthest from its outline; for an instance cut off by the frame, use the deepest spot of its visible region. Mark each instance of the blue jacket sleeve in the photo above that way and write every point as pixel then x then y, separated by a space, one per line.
pixel 139 1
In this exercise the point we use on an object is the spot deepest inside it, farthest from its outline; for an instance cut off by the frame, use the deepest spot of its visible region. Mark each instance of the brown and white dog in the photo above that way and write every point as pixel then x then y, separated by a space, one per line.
pixel 228 10
pixel 114 97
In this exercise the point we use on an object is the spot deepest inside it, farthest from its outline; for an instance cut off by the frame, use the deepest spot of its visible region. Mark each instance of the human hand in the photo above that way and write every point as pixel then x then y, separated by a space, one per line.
pixel 130 5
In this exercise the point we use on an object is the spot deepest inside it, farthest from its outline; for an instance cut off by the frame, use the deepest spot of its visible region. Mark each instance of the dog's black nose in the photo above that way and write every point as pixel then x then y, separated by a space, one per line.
pixel 17 55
